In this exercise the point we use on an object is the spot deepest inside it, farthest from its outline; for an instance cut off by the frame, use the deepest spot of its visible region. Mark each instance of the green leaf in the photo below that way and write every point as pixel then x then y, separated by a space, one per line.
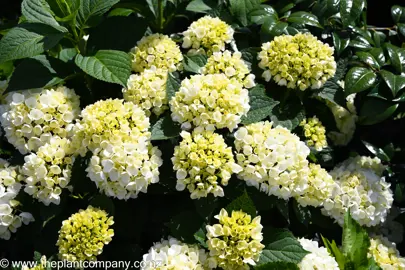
pixel 200 236
pixel 333 92
pixel 241 8
pixel 185 225
pixel 335 252
pixel 290 115
pixel 277 266
pixel 39 11
pixel 359 79
pixel 360 43
pixel 67 55
pixel 339 43
pixel 107 65
pixel 194 63
pixel 242 203
pixel 377 151
pixel 120 12
pixel 303 214
pixel 198 6
pixel 205 206
pixel 172 85
pixel 165 129
pixel 378 55
pixel 302 17
pixel 273 28
pixel 375 110
pixel 280 246
pixel 398 13
pixel 261 105
pixel 393 52
pixel 103 202
pixel 93 9
pixel 28 40
pixel 369 59
pixel 395 82
pixel 350 10
pixel 260 14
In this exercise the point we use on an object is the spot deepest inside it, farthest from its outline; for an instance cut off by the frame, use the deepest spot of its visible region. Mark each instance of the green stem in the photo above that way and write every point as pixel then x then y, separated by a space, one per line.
pixel 160 15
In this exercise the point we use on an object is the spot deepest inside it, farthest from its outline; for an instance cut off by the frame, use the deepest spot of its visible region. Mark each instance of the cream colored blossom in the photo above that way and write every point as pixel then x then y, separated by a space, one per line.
pixel 30 118
pixel 173 254
pixel 156 50
pixel 148 90
pixel 273 159
pixel 10 185
pixel 203 162
pixel 208 35
pixel 385 254
pixel 235 242
pixel 48 171
pixel 362 190
pixel 318 258
pixel 314 132
pixel 300 61
pixel 210 101
pixel 232 65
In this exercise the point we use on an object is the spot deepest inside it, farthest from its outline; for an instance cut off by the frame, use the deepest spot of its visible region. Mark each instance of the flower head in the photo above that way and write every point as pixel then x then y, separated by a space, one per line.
pixel 10 185
pixel 235 242
pixel 31 118
pixel 210 101
pixel 300 61
pixel 318 258
pixel 360 189
pixel 385 254
pixel 314 132
pixel 83 236
pixel 209 34
pixel 48 171
pixel 148 90
pixel 273 159
pixel 173 254
pixel 231 65
pixel 156 50
pixel 203 162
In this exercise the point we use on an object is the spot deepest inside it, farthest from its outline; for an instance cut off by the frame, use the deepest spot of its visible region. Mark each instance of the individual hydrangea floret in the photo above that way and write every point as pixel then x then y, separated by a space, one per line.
pixel 235 242
pixel 273 159
pixel 48 171
pixel 10 185
pixel 208 35
pixel 318 258
pixel 385 254
pixel 314 133
pixel 111 120
pixel 148 90
pixel 82 237
pixel 124 169
pixel 30 118
pixel 300 61
pixel 210 101
pixel 320 187
pixel 360 189
pixel 203 163
pixel 173 254
pixel 156 50
pixel 232 65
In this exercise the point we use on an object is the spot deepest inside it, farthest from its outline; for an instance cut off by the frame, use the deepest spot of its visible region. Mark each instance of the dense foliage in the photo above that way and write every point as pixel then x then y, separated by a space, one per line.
pixel 203 134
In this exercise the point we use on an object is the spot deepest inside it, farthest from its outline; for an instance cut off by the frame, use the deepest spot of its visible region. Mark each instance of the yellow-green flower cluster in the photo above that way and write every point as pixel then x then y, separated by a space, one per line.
pixel 235 242
pixel 320 186
pixel 360 189
pixel 207 35
pixel 210 101
pixel 314 132
pixel 10 186
pixel 30 118
pixel 273 159
pixel 385 254
pixel 318 258
pixel 48 171
pixel 148 90
pixel 41 265
pixel 82 237
pixel 156 50
pixel 201 161
pixel 300 61
pixel 232 65
pixel 173 254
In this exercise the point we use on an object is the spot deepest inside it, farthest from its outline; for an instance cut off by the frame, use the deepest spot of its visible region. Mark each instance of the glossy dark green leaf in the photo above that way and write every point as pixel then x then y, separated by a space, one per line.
pixel 302 17
pixel 395 82
pixel 369 59
pixel 360 43
pixel 242 203
pixel 378 152
pixel 379 38
pixel 378 54
pixel 394 56
pixel 333 92
pixel 241 8
pixel 172 85
pixel 359 79
pixel 274 28
pixel 376 110
pixel 165 129
pixel 401 28
pixel 350 10
pixel 398 13
pixel 340 44
pixel 290 115
pixel 262 13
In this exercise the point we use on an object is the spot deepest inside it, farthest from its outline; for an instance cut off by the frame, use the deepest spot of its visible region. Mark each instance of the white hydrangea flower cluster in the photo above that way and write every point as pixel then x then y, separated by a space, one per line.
pixel 273 159
pixel 202 160
pixel 156 50
pixel 48 171
pixel 360 189
pixel 318 258
pixel 10 186
pixel 207 35
pixel 210 101
pixel 385 254
pixel 31 118
pixel 232 65
pixel 148 90
pixel 173 254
